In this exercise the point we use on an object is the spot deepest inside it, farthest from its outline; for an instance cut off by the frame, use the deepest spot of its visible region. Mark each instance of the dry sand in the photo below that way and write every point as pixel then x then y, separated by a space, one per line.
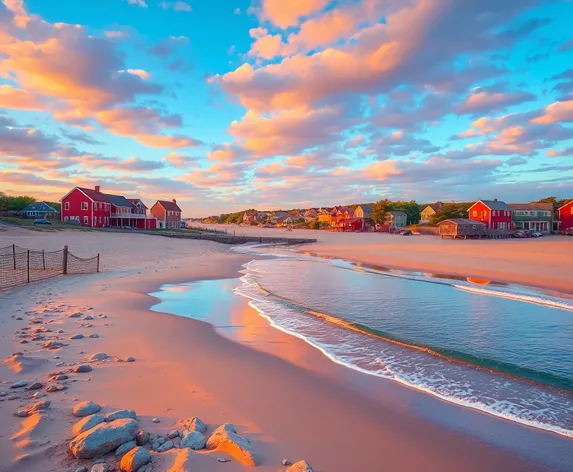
pixel 288 398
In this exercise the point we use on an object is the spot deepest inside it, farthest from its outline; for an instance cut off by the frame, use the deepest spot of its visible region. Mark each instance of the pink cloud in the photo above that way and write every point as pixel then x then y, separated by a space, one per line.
pixel 558 111
pixel 287 13
pixel 11 97
pixel 483 101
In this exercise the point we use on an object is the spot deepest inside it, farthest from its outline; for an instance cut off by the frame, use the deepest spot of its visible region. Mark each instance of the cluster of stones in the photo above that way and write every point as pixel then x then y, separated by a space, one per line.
pixel 96 435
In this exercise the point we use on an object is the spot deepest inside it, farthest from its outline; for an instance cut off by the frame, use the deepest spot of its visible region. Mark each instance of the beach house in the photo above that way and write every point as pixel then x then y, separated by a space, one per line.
pixel 39 210
pixel 566 216
pixel 430 211
pixel 395 219
pixel 249 217
pixel 494 213
pixel 532 216
pixel 364 213
pixel 168 214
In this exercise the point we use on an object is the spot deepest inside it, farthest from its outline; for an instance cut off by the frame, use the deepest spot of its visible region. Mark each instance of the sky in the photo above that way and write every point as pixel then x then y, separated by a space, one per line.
pixel 234 104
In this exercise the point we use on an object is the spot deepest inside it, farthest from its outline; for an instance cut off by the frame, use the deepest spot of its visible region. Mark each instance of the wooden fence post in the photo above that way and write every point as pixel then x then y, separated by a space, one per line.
pixel 14 254
pixel 43 259
pixel 65 264
pixel 28 266
pixel 98 262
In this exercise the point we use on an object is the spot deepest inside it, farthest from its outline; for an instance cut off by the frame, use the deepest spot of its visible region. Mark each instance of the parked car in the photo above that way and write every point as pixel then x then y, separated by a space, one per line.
pixel 406 232
pixel 536 234
pixel 42 221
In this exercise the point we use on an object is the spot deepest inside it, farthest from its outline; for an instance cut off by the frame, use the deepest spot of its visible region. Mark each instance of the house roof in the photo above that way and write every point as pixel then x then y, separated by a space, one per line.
pixel 95 196
pixel 531 206
pixel 567 204
pixel 169 205
pixel 435 206
pixel 40 206
pixel 493 204
pixel 118 200
pixel 463 221
pixel 367 210
pixel 135 200
pixel 397 213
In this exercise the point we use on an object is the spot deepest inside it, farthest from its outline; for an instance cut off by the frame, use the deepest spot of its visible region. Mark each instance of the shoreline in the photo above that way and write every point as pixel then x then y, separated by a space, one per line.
pixel 289 399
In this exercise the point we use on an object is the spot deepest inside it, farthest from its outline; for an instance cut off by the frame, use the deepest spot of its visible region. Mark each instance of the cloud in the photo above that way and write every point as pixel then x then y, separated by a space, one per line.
pixel 75 135
pixel 566 46
pixel 132 164
pixel 166 46
pixel 561 153
pixel 176 6
pixel 284 14
pixel 218 175
pixel 25 142
pixel 484 101
pixel 181 161
pixel 266 45
pixel 11 97
pixel 558 111
pixel 142 74
pixel 139 3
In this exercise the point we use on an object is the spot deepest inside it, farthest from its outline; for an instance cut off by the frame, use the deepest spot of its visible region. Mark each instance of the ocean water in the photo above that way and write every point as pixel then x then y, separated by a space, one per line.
pixel 504 350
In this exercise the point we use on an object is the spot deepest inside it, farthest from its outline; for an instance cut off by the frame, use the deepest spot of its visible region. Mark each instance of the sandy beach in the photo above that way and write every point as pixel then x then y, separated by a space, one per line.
pixel 286 397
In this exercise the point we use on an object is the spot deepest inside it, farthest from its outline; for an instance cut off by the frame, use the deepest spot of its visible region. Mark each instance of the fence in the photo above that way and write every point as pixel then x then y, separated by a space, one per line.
pixel 20 265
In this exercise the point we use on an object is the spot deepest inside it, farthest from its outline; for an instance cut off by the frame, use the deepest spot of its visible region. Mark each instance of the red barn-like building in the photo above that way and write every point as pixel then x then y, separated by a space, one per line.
pixel 494 213
pixel 566 216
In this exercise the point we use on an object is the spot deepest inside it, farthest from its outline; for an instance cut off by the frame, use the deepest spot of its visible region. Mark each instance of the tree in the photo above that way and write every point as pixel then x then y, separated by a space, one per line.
pixel 8 203
pixel 412 209
pixel 316 224
pixel 379 210
pixel 451 210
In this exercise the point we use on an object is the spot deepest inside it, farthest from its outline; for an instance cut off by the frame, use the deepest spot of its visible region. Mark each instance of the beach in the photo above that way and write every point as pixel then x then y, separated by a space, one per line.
pixel 289 399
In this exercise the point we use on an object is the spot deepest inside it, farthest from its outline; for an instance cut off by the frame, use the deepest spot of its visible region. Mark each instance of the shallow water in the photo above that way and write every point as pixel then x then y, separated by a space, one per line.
pixel 507 351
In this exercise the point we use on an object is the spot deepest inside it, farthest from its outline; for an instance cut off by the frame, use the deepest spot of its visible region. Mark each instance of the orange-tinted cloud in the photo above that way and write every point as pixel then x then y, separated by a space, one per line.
pixel 287 13
pixel 11 97
pixel 558 111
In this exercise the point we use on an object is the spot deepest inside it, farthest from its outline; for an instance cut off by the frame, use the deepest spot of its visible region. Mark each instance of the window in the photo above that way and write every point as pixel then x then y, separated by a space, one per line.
pixel 85 220
pixel 94 223
pixel 100 220
pixel 67 205
pixel 66 219
pixel 84 205
pixel 475 213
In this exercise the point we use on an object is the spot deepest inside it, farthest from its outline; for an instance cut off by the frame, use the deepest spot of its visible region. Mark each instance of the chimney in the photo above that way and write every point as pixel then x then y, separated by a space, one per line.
pixel 495 199
pixel 174 201
pixel 96 188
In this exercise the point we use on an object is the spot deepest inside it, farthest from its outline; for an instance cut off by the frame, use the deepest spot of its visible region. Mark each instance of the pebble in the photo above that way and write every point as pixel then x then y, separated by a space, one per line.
pixel 155 420
pixel 39 395
pixel 142 438
pixel 23 341
pixel 82 368
pixel 130 359
pixel 102 467
pixel 83 468
pixel 19 384
pixel 77 336
pixel 166 446
pixel 55 388
pixel 161 440
pixel 3 394
pixel 98 356
pixel 19 318
pixel 286 462
pixel 60 364
pixel 88 318
pixel 35 386
pixel 75 315
pixel 94 335
pixel 22 413
pixel 173 434
pixel 222 459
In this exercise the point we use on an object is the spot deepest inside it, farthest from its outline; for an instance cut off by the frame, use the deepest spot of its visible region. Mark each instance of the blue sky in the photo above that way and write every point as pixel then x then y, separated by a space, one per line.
pixel 270 103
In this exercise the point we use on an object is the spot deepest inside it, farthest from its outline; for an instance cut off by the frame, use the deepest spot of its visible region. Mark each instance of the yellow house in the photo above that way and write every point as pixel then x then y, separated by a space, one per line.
pixel 428 212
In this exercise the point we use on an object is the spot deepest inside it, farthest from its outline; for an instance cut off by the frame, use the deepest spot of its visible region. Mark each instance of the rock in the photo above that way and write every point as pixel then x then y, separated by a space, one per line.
pixel 3 394
pixel 77 314
pixel 225 438
pixel 55 388
pixel 222 460
pixel 23 341
pixel 87 423
pixel 166 446
pixel 39 395
pixel 173 434
pixel 300 466
pixel 135 459
pixel 22 413
pixel 77 336
pixel 146 468
pixel 83 468
pixel 60 377
pixel 42 405
pixel 286 462
pixel 19 318
pixel 36 386
pixel 155 445
pixel 155 420
pixel 19 384
pixel 161 440
pixel 82 368
pixel 60 364
pixel 85 409
pixel 130 359
pixel 94 335
pixel 195 424
pixel 101 467
pixel 128 446
pixel 103 438
pixel 193 440
pixel 53 345
pixel 142 437
pixel 98 356
pixel 88 318
pixel 119 414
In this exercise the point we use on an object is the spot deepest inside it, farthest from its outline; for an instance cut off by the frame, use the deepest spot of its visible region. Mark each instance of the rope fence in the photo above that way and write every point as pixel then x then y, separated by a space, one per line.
pixel 19 265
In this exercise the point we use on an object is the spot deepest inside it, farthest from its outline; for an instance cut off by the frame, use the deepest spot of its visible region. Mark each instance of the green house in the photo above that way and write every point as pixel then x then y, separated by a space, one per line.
pixel 533 216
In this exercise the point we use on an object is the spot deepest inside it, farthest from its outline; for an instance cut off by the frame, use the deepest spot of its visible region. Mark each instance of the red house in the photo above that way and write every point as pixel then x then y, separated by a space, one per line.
pixel 566 216
pixel 494 213
pixel 95 209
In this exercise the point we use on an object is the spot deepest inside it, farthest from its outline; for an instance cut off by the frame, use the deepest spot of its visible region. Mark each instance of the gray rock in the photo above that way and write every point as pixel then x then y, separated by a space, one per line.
pixel 82 368
pixel 98 356
pixel 155 420
pixel 161 440
pixel 142 438
pixel 225 438
pixel 193 440
pixel 85 409
pixel 166 446
pixel 54 345
pixel 60 377
pixel 103 438
pixel 83 468
pixel 3 394
pixel 173 434
pixel 88 318
pixel 130 359
pixel 146 468
pixel 300 466
pixel 42 405
pixel 19 384
pixel 55 388
pixel 135 459
pixel 94 335
pixel 36 386
pixel 195 424
pixel 77 336
pixel 286 462
pixel 155 445
pixel 222 460
pixel 38 395
pixel 22 414
pixel 119 414
pixel 77 314
pixel 101 467
pixel 87 423
pixel 124 448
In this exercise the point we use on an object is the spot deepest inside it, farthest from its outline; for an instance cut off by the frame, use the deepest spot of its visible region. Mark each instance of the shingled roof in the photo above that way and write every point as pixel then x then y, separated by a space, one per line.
pixel 531 206
pixel 118 200
pixel 171 206
pixel 495 205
